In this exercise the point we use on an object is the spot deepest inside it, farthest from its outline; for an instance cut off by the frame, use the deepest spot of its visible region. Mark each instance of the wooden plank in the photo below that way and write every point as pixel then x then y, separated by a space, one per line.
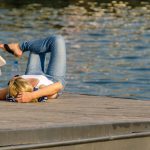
pixel 72 109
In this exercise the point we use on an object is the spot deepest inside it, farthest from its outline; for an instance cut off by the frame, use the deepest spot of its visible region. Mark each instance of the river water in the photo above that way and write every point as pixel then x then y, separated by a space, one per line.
pixel 108 43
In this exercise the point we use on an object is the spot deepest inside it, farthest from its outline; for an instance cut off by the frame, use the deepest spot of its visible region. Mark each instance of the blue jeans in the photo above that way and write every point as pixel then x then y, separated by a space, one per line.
pixel 55 47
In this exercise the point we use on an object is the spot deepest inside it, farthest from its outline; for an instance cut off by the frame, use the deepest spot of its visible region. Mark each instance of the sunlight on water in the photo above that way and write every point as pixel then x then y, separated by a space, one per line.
pixel 108 46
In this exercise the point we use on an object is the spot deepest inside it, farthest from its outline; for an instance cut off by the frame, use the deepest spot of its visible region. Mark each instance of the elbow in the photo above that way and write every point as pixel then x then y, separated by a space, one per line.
pixel 60 87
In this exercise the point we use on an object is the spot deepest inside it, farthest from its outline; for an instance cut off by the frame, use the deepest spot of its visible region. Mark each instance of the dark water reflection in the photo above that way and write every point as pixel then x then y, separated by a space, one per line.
pixel 108 46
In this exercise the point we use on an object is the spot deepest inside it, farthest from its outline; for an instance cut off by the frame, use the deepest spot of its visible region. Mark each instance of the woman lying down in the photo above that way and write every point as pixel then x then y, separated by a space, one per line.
pixel 39 83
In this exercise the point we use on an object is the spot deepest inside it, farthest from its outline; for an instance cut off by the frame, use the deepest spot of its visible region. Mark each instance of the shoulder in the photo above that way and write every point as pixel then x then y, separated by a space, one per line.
pixel 33 81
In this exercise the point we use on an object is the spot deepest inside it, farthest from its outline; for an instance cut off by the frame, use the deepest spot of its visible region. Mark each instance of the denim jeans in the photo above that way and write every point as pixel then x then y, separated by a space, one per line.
pixel 54 46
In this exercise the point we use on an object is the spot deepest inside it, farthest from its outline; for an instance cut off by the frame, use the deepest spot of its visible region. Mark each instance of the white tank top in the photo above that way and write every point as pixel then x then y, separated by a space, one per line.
pixel 42 79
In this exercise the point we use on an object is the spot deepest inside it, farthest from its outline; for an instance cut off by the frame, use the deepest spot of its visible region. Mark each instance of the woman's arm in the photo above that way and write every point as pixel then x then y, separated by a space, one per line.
pixel 3 93
pixel 49 96
pixel 45 91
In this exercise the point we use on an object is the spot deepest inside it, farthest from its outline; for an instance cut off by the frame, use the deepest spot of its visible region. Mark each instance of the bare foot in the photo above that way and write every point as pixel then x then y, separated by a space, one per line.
pixel 14 47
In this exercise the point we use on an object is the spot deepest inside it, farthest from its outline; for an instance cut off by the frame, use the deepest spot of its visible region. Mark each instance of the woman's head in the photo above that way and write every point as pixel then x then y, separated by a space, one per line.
pixel 17 85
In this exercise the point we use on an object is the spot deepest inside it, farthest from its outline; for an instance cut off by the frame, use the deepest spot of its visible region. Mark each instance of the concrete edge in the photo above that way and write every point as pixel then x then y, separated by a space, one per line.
pixel 76 142
pixel 71 134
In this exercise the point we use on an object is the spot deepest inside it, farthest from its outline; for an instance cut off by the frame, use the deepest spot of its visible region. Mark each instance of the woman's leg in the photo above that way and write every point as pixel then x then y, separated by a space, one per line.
pixel 57 63
pixel 35 64
pixel 38 48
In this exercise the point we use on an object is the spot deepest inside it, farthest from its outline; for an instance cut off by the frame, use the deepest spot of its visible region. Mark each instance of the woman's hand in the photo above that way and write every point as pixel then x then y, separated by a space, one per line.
pixel 24 97
pixel 50 90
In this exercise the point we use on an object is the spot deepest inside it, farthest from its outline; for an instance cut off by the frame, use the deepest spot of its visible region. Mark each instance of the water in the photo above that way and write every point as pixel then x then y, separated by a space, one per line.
pixel 108 42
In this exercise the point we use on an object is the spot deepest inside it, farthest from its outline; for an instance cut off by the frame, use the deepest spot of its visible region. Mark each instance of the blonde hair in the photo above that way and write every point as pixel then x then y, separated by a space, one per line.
pixel 19 84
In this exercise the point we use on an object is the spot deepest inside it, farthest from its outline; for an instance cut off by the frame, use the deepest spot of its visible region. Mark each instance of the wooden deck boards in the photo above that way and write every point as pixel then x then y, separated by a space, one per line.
pixel 72 109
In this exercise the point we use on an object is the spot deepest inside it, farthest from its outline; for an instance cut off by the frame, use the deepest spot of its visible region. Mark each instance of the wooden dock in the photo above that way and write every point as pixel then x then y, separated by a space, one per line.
pixel 76 122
